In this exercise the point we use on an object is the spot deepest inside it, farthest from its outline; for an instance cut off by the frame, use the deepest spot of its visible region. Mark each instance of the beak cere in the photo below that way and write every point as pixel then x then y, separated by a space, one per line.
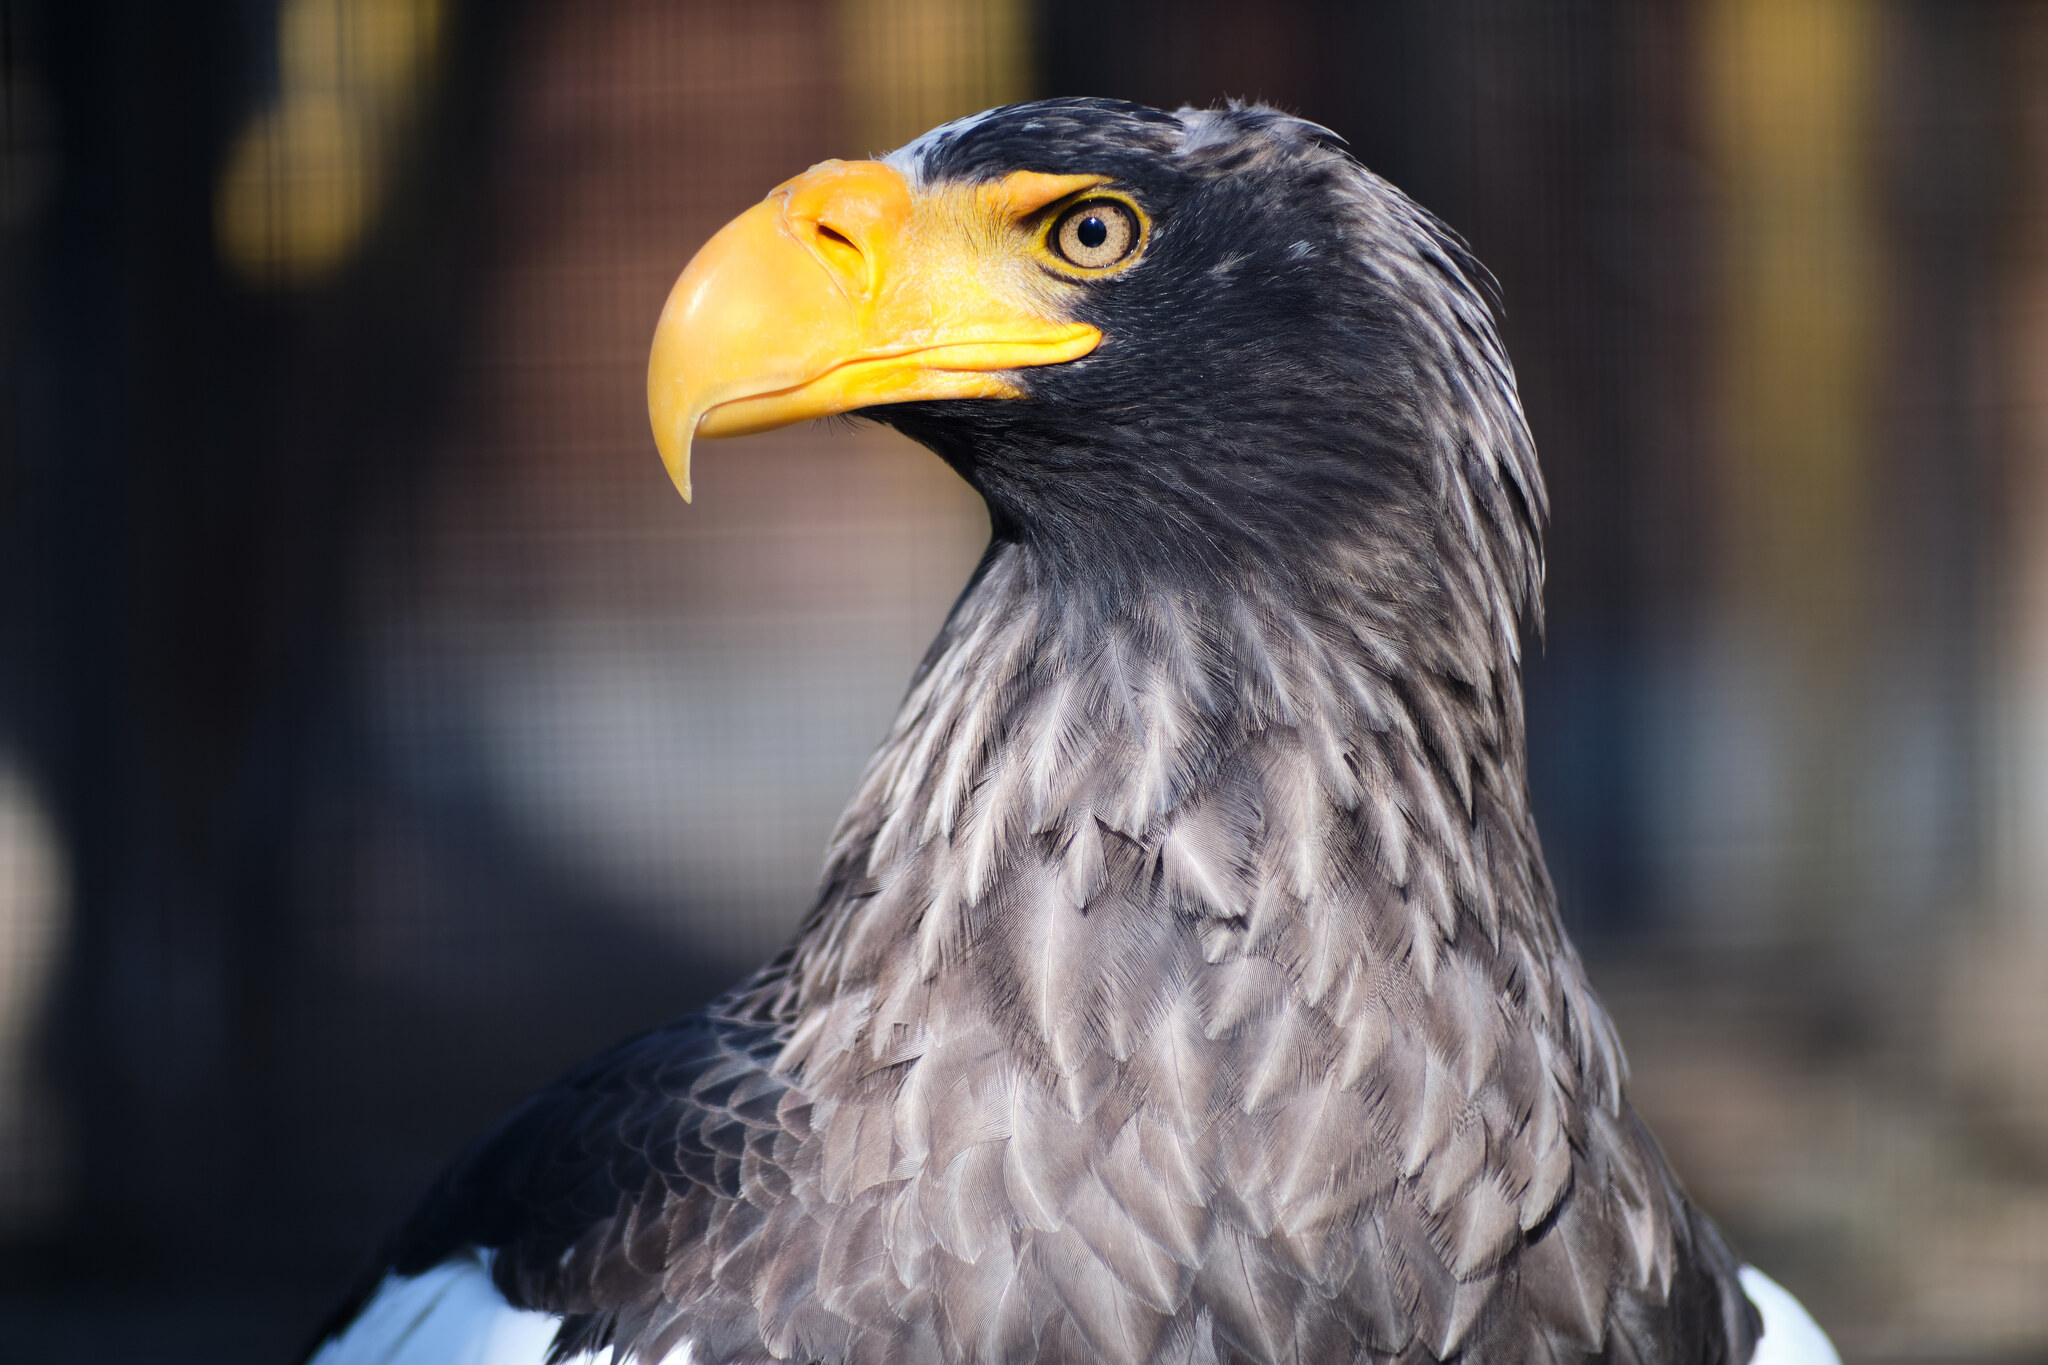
pixel 846 289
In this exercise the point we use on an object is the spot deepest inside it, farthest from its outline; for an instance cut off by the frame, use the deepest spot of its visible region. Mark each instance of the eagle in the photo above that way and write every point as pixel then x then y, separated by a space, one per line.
pixel 1184 983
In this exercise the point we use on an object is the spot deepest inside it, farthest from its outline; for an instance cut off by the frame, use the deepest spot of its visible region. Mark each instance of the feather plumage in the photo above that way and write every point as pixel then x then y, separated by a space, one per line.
pixel 1185 983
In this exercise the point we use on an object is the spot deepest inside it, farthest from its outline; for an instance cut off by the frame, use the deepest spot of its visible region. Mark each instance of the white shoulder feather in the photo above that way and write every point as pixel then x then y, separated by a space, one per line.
pixel 451 1315
pixel 1791 1336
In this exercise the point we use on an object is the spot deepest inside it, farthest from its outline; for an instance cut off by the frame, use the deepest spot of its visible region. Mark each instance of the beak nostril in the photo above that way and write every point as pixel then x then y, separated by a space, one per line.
pixel 834 235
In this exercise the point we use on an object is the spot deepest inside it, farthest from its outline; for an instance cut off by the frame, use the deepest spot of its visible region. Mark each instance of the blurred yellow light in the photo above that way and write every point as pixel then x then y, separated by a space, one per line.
pixel 295 195
pixel 1790 87
pixel 305 179
pixel 913 64
pixel 363 48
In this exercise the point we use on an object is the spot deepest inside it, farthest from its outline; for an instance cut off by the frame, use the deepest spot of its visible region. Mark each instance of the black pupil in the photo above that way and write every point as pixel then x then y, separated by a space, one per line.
pixel 1092 232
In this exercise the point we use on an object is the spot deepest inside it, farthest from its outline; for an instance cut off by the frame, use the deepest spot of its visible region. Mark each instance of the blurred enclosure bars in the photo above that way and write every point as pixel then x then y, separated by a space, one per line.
pixel 378 733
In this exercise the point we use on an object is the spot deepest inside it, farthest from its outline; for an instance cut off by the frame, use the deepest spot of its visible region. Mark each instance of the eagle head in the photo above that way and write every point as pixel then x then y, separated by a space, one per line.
pixel 1185 344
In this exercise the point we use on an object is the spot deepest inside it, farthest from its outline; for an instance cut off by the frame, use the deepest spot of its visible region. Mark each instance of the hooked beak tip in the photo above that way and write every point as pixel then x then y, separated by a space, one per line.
pixel 674 446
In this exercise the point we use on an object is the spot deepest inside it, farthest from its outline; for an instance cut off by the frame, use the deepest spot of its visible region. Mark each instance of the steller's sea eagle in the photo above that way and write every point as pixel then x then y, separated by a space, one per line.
pixel 1185 984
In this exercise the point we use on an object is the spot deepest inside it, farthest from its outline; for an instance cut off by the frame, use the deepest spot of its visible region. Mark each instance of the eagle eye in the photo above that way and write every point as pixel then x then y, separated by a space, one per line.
pixel 1095 234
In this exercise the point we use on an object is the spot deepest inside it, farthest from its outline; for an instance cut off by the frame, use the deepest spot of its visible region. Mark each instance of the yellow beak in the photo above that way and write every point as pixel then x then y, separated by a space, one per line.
pixel 846 289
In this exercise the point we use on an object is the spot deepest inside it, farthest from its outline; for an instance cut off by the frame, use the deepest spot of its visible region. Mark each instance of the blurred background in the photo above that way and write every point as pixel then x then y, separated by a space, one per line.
pixel 379 733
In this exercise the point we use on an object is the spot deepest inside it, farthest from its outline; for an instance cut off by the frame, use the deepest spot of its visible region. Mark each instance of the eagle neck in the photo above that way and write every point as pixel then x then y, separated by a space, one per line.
pixel 1329 773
